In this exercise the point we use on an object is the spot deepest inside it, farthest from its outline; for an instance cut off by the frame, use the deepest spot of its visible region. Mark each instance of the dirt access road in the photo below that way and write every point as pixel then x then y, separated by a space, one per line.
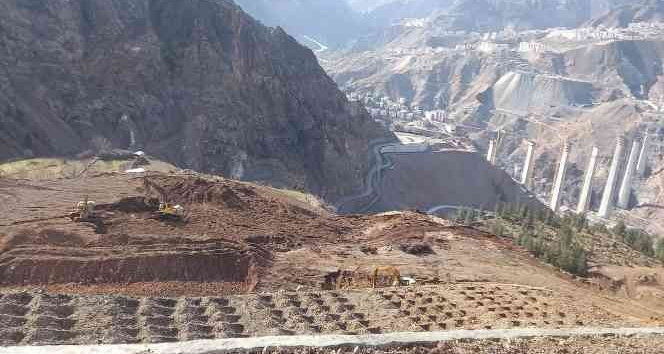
pixel 331 341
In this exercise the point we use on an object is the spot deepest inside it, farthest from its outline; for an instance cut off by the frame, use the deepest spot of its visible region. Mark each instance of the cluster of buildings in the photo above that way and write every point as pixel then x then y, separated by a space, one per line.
pixel 385 109
pixel 635 31
pixel 390 112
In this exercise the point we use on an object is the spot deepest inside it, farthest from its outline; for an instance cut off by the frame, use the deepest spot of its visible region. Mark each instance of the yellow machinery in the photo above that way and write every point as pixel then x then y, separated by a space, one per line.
pixel 170 211
pixel 391 274
pixel 84 210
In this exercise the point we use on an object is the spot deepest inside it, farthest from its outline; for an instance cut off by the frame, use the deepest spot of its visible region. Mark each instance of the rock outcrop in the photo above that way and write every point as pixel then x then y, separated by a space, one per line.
pixel 195 82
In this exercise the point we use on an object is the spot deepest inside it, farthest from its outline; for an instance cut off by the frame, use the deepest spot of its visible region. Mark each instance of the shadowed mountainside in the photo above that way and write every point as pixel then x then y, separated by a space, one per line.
pixel 198 83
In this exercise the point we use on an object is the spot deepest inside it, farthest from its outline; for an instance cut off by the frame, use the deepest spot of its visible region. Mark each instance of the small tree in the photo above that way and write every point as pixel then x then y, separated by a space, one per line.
pixel 620 229
pixel 497 227
pixel 101 144
pixel 470 216
pixel 461 215
pixel 659 250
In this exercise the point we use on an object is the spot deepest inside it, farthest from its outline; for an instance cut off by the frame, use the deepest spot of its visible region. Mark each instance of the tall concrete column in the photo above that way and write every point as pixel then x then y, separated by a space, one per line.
pixel 606 207
pixel 560 179
pixel 643 156
pixel 494 156
pixel 491 153
pixel 626 186
pixel 584 200
pixel 527 174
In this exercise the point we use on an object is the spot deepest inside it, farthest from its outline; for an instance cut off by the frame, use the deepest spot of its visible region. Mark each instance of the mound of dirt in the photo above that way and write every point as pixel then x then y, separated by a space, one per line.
pixel 522 92
pixel 417 248
pixel 33 264
pixel 198 190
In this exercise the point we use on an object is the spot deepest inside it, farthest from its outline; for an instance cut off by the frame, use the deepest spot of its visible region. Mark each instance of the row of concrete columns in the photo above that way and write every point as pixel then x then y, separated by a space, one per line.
pixel 636 164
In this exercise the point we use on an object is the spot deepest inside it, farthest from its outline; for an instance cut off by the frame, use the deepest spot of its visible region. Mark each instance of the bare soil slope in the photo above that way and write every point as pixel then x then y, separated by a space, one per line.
pixel 250 260
pixel 423 181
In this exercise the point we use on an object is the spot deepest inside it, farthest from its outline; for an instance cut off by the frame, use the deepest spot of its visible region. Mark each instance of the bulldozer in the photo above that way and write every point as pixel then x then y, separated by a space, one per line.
pixel 169 211
pixel 83 211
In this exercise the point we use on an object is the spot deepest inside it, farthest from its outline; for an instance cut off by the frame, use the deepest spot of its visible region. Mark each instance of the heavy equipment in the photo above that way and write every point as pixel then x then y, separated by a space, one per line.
pixel 83 211
pixel 170 211
pixel 372 277
pixel 389 273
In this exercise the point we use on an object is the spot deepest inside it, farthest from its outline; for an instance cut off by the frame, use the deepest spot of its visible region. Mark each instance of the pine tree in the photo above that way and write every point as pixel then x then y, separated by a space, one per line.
pixel 660 249
pixel 620 229
pixel 470 217
pixel 461 215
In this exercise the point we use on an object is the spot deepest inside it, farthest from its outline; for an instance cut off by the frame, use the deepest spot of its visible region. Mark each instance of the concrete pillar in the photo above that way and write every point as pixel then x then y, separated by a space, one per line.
pixel 560 179
pixel 606 207
pixel 584 200
pixel 491 153
pixel 494 156
pixel 626 186
pixel 527 173
pixel 643 156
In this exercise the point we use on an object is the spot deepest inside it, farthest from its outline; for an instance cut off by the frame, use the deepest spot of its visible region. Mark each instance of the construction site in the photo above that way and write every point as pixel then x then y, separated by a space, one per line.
pixel 167 256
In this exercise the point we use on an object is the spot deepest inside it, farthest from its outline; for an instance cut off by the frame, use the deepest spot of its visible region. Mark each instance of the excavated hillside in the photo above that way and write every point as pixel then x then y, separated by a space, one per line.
pixel 425 181
pixel 248 260
pixel 524 92
pixel 589 95
pixel 631 66
pixel 196 83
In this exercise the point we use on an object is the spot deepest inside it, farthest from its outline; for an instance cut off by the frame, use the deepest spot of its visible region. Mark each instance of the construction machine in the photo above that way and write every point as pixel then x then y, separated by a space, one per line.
pixel 390 273
pixel 83 211
pixel 169 211
pixel 374 277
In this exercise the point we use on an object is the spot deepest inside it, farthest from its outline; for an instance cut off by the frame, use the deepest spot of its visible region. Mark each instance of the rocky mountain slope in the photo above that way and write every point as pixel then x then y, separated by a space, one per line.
pixel 488 15
pixel 631 12
pixel 197 83
pixel 584 85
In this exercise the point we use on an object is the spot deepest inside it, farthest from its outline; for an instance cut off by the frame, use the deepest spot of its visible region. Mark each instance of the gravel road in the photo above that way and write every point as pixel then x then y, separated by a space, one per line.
pixel 258 343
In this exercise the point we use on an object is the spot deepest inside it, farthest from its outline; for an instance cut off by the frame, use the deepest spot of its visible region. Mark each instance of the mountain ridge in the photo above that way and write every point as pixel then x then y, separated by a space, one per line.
pixel 197 83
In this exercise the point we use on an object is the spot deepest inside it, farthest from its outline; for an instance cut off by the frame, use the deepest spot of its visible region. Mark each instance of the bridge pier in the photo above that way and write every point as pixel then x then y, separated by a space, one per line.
pixel 643 156
pixel 584 200
pixel 560 178
pixel 527 174
pixel 626 187
pixel 492 152
pixel 606 207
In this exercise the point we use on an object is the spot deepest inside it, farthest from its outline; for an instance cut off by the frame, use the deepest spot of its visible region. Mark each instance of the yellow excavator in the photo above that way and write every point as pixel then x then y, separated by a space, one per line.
pixel 169 211
pixel 83 211
pixel 375 277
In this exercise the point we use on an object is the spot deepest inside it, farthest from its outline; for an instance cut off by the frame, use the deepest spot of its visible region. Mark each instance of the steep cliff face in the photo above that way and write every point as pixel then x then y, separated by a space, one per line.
pixel 195 82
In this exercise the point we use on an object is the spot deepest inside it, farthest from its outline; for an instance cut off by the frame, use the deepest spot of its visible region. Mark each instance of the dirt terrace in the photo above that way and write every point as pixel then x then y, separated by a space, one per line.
pixel 251 260
pixel 34 318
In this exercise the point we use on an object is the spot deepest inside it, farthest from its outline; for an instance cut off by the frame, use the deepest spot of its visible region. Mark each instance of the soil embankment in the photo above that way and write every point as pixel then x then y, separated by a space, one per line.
pixel 425 180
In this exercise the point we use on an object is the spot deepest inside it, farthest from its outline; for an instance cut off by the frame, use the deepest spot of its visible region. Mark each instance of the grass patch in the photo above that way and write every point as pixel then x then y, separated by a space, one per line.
pixel 57 168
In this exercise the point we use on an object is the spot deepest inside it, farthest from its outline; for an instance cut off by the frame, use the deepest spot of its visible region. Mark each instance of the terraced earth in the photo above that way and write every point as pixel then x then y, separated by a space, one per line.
pixel 40 318
pixel 253 261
